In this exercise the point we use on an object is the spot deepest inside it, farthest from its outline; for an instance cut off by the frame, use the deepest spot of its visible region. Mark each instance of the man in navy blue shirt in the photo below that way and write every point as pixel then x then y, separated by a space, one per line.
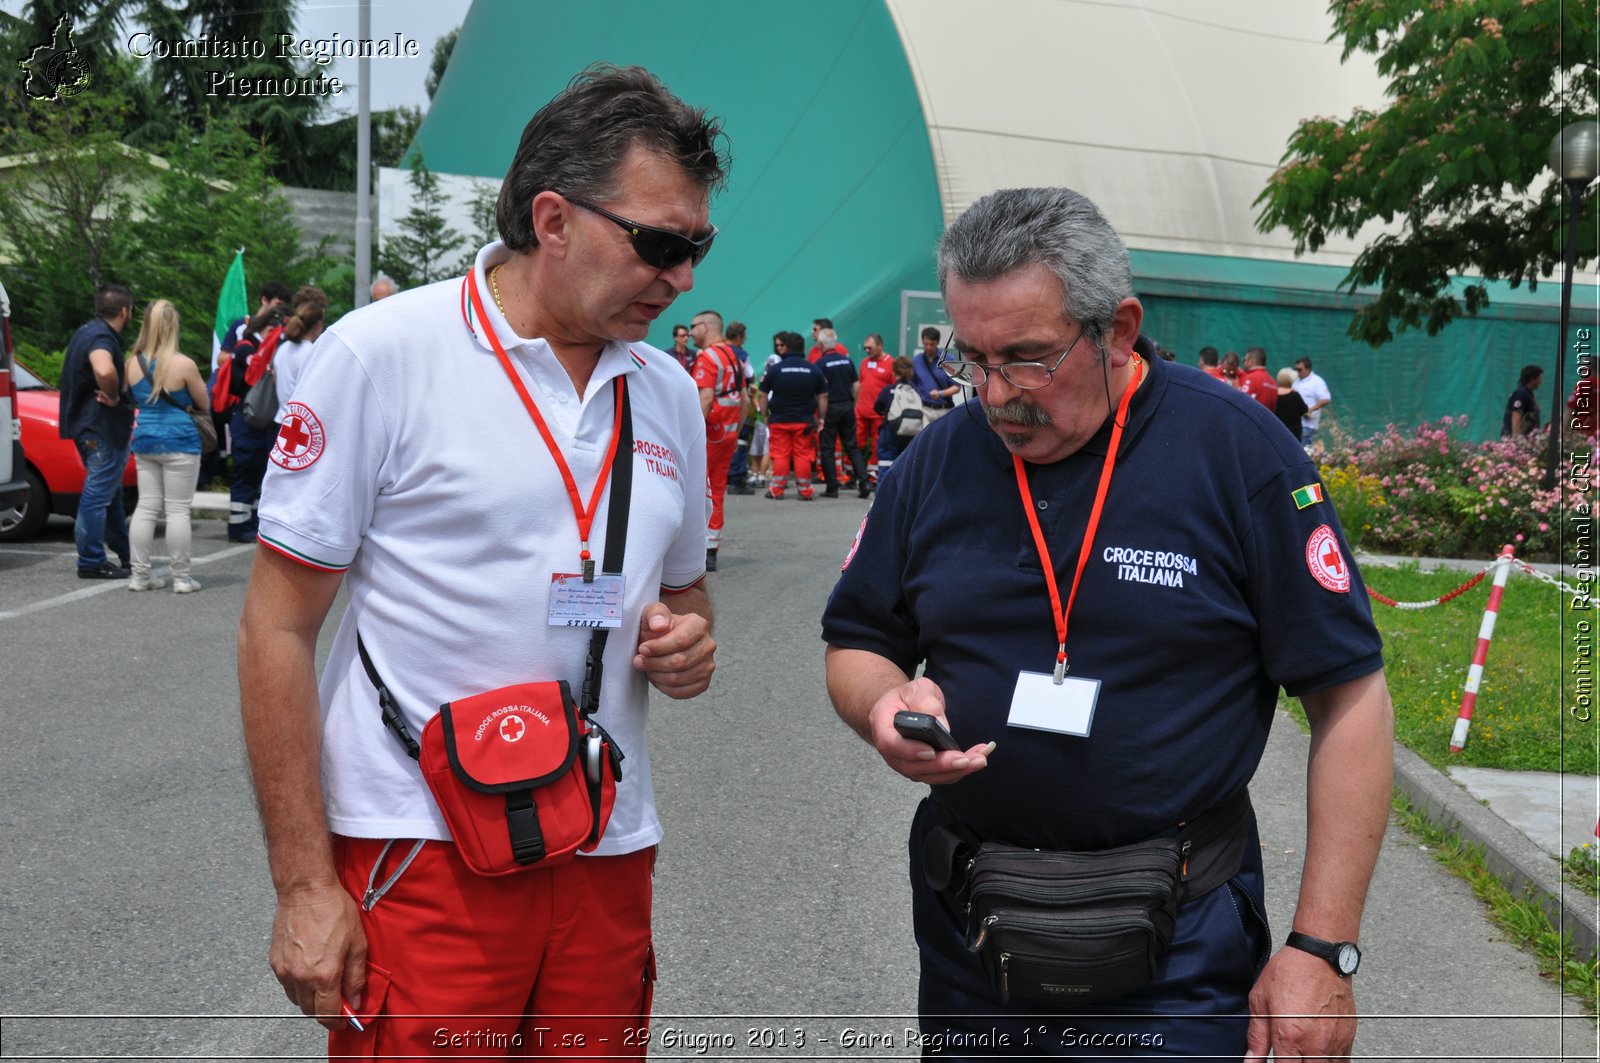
pixel 839 426
pixel 933 384
pixel 1107 567
pixel 97 415
pixel 794 396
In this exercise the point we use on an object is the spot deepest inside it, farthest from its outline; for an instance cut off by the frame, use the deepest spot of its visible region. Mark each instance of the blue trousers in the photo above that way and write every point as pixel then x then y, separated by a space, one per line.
pixel 101 521
pixel 1197 1005
pixel 251 447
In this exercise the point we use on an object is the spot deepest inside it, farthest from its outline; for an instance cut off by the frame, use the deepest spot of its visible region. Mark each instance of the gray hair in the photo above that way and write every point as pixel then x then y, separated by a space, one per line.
pixel 1008 230
pixel 827 337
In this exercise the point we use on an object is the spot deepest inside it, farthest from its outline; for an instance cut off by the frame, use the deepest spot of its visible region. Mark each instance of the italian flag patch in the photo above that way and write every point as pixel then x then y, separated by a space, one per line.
pixel 1309 495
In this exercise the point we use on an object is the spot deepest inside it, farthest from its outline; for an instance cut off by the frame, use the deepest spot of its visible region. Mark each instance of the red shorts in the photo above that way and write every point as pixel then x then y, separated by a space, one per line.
pixel 544 963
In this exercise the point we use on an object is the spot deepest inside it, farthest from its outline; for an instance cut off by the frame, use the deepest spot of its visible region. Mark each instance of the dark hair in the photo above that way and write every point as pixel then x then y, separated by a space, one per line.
pixel 876 336
pixel 902 368
pixel 111 300
pixel 675 329
pixel 1303 361
pixel 931 333
pixel 1530 373
pixel 310 305
pixel 793 342
pixel 275 290
pixel 1208 356
pixel 1256 355
pixel 575 143
pixel 735 332
pixel 711 313
pixel 822 322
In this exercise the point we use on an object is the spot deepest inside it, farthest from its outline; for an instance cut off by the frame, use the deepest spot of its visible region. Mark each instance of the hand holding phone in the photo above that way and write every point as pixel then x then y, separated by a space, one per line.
pixel 921 727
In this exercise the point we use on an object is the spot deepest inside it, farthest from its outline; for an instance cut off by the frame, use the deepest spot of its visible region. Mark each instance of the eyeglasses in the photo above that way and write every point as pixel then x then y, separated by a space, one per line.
pixel 1028 376
pixel 660 248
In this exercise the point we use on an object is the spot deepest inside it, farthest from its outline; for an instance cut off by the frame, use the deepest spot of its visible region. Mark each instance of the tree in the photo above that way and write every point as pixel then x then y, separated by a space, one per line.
pixel 424 251
pixel 86 209
pixel 442 50
pixel 1455 163
pixel 485 228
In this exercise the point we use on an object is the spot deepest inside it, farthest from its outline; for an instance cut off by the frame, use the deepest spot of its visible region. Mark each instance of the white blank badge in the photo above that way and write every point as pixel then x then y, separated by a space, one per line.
pixel 574 603
pixel 1041 704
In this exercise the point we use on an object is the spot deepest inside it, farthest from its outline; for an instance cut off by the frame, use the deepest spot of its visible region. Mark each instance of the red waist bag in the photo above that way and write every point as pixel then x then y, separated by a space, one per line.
pixel 522 779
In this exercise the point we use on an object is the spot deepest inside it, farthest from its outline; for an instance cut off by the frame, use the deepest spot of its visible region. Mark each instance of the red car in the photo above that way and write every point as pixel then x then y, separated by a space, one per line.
pixel 53 469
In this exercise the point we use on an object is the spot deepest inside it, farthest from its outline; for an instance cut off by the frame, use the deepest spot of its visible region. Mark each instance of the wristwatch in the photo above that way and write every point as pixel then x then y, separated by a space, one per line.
pixel 1342 956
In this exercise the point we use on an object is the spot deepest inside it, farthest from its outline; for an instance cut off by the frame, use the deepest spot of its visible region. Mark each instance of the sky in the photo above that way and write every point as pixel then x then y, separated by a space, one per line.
pixel 395 82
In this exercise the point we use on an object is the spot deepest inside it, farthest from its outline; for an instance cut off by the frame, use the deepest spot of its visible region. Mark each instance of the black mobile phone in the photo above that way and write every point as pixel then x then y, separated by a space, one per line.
pixel 920 727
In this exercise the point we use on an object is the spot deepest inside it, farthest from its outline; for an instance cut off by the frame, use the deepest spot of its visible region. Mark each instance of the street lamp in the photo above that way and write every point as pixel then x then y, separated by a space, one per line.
pixel 1575 158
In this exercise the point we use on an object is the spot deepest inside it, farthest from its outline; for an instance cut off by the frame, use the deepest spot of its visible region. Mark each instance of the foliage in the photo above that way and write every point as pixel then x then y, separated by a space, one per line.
pixel 1457 158
pixel 424 250
pixel 1581 868
pixel 1518 723
pixel 63 215
pixel 45 365
pixel 1358 499
pixel 1523 918
pixel 88 211
pixel 485 229
pixel 191 224
pixel 442 50
pixel 1444 496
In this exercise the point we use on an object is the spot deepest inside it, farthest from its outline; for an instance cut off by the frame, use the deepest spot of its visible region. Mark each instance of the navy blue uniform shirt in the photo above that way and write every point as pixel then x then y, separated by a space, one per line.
pixel 840 372
pixel 792 387
pixel 1208 586
pixel 79 411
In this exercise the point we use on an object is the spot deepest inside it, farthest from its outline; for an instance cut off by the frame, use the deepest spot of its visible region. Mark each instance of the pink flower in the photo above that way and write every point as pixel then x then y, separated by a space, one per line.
pixel 1543 526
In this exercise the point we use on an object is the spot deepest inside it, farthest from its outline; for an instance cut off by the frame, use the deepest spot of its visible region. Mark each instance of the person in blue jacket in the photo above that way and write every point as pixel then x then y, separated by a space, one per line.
pixel 1106 567
pixel 934 386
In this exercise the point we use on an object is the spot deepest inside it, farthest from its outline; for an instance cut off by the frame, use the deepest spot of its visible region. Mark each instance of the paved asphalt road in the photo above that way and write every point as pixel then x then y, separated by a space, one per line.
pixel 135 904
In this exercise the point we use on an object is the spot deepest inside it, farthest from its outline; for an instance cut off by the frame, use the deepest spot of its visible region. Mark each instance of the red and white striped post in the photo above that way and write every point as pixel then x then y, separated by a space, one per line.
pixel 1469 698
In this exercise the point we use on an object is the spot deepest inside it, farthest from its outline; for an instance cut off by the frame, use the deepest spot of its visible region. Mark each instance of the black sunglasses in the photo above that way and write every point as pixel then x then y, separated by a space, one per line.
pixel 661 248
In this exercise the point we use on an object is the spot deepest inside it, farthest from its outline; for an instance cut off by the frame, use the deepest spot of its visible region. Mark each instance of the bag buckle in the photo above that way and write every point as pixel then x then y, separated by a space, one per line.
pixel 395 721
pixel 522 817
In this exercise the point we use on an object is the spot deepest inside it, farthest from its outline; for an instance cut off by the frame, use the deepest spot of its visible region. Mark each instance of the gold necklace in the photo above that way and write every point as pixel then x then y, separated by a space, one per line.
pixel 494 287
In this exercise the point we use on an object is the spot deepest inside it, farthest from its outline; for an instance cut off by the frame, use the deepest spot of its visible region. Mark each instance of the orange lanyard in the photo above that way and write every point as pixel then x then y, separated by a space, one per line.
pixel 584 514
pixel 1059 614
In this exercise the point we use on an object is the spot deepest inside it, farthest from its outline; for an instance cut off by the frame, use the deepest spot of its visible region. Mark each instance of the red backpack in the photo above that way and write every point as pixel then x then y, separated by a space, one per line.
pixel 223 394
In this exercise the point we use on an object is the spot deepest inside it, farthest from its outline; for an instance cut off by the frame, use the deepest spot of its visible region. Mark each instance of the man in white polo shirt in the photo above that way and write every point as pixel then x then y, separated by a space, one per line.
pixel 408 460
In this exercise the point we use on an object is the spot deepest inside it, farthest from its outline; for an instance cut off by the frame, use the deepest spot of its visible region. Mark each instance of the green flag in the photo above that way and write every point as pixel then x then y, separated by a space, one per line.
pixel 233 303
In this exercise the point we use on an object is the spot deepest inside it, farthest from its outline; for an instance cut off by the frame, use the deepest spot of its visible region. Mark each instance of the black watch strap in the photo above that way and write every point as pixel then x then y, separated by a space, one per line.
pixel 1343 956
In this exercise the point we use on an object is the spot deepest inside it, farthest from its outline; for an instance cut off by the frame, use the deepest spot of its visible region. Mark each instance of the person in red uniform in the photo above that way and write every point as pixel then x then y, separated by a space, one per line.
pixel 820 344
pixel 720 376
pixel 1255 381
pixel 794 396
pixel 877 373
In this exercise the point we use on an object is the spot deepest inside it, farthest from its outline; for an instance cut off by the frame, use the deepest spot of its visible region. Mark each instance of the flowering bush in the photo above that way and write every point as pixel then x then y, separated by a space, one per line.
pixel 1430 493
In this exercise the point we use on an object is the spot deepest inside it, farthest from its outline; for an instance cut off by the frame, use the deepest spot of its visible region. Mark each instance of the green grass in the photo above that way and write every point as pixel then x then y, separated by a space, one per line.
pixel 1582 871
pixel 1522 720
pixel 1521 918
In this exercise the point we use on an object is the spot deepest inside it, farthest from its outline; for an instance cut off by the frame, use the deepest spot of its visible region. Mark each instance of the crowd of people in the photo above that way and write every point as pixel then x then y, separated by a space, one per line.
pixel 1297 397
pixel 182 429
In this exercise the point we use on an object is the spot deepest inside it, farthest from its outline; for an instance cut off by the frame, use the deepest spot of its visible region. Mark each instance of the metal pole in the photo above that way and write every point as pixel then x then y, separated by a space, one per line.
pixel 364 163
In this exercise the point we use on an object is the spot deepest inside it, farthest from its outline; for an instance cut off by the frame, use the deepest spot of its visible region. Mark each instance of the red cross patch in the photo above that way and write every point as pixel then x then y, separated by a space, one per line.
pixel 1326 561
pixel 300 438
pixel 512 728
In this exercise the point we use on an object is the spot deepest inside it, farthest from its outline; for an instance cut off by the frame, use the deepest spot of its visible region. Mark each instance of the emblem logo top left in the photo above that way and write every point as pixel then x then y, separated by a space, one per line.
pixel 56 70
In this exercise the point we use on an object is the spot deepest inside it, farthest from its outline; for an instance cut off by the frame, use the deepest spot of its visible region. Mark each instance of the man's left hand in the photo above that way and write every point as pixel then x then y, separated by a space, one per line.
pixel 676 651
pixel 1301 1009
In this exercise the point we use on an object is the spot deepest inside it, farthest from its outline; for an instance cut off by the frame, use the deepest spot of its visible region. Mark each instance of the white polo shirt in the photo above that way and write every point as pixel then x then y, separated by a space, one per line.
pixel 1313 389
pixel 288 365
pixel 406 458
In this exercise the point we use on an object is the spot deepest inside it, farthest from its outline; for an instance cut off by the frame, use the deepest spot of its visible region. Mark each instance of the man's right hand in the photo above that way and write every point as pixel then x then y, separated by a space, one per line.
pixel 918 761
pixel 319 952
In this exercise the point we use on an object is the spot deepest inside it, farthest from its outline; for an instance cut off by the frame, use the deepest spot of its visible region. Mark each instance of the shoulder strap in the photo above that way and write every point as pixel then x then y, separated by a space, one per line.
pixel 621 495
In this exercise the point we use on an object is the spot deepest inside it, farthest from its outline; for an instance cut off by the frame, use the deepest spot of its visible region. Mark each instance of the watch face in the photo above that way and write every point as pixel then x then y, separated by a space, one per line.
pixel 1349 958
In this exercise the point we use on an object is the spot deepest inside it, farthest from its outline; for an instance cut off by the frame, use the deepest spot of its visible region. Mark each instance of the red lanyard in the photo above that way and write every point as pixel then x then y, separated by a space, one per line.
pixel 585 515
pixel 1059 614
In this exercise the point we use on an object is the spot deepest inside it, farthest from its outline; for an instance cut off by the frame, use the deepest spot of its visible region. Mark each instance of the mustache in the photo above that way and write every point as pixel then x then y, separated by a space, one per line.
pixel 1019 413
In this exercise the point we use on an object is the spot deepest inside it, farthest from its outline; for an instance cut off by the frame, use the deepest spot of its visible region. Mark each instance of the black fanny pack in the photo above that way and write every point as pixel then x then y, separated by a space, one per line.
pixel 1063 929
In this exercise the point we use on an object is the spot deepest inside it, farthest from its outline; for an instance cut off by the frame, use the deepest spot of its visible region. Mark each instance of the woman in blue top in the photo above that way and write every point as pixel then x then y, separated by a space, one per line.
pixel 165 385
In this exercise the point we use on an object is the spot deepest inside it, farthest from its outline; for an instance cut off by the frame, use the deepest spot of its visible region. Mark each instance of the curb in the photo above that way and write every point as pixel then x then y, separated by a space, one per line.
pixel 1522 866
pixel 210 504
